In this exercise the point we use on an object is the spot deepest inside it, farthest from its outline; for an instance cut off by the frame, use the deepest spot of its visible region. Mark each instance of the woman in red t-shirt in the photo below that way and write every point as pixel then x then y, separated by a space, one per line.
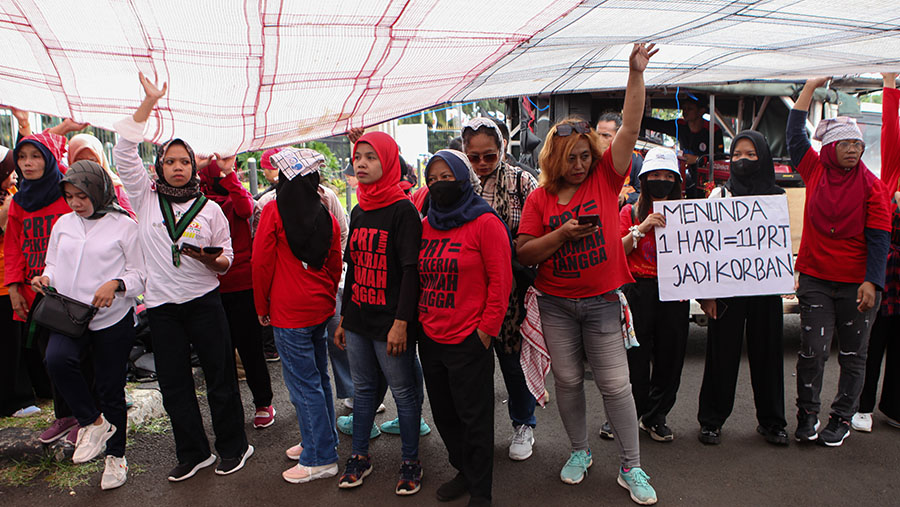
pixel 570 227
pixel 661 327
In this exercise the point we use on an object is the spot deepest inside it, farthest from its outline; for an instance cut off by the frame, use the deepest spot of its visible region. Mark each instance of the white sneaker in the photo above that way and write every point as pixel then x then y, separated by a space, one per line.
pixel 862 422
pixel 348 403
pixel 91 440
pixel 381 408
pixel 521 443
pixel 115 473
pixel 27 411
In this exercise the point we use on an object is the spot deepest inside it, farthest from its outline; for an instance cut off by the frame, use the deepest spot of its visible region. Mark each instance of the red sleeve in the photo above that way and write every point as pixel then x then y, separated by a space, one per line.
pixel 611 177
pixel 878 209
pixel 808 165
pixel 531 222
pixel 890 140
pixel 625 220
pixel 263 259
pixel 334 262
pixel 14 259
pixel 240 197
pixel 125 202
pixel 496 257
pixel 418 198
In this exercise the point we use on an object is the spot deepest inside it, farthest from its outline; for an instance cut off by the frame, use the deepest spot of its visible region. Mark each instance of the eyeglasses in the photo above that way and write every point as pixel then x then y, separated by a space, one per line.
pixel 852 143
pixel 566 129
pixel 489 158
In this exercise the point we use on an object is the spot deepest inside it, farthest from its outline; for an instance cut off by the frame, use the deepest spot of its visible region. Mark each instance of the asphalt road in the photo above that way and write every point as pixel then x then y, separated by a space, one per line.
pixel 743 470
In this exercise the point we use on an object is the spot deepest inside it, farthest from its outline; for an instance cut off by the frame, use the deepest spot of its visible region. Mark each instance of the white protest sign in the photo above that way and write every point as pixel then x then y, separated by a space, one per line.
pixel 736 246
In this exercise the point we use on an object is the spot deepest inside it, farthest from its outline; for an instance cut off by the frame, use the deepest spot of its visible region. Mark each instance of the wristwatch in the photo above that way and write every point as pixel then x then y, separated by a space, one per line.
pixel 121 287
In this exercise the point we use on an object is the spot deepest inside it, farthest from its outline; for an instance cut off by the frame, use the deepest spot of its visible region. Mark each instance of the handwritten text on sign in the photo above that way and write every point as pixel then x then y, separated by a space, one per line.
pixel 737 246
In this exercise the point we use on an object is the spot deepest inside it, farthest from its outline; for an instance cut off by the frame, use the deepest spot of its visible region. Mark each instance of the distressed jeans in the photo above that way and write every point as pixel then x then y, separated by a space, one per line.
pixel 828 309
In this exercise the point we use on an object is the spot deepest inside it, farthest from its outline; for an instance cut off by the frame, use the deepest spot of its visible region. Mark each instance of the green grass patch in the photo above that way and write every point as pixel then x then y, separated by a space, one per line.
pixel 61 475
pixel 155 426
pixel 18 473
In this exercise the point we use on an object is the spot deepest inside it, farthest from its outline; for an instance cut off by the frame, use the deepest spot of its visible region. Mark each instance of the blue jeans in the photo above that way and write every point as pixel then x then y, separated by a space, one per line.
pixel 304 363
pixel 521 402
pixel 366 356
pixel 340 363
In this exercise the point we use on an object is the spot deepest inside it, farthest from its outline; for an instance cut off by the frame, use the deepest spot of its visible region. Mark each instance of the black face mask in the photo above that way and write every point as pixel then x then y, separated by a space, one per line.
pixel 744 167
pixel 445 193
pixel 660 189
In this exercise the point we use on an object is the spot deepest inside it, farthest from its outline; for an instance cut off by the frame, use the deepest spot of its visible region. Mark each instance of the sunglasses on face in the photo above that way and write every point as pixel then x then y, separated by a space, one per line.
pixel 489 158
pixel 566 129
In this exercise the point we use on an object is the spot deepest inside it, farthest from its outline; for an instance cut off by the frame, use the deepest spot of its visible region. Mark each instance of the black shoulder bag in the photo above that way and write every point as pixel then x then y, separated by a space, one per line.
pixel 63 314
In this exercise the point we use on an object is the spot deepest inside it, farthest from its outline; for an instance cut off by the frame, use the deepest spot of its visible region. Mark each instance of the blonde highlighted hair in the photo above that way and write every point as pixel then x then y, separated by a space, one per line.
pixel 554 155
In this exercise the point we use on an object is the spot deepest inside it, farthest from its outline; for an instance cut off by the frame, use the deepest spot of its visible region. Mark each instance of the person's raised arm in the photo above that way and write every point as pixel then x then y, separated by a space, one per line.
pixel 129 165
pixel 24 125
pixel 240 197
pixel 890 134
pixel 67 125
pixel 633 112
pixel 152 94
pixel 806 93
pixel 797 138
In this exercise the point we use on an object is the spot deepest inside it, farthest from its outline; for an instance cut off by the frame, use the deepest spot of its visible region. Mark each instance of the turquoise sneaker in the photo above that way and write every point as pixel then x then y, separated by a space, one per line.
pixel 345 426
pixel 638 484
pixel 576 468
pixel 393 427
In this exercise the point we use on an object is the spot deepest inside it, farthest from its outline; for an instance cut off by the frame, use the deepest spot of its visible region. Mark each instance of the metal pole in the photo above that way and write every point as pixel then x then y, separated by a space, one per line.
pixel 349 196
pixel 712 137
pixel 251 168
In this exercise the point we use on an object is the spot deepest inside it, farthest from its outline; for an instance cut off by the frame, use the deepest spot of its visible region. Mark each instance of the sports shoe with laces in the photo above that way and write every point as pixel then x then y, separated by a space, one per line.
pixel 115 473
pixel 264 417
pixel 606 432
pixel 521 443
pixel 184 471
pixel 345 426
pixel 392 427
pixel 91 440
pixel 774 436
pixel 638 485
pixel 299 474
pixel 807 426
pixel 410 478
pixel 576 467
pixel 57 430
pixel 835 432
pixel 231 465
pixel 356 469
pixel 659 431
pixel 862 422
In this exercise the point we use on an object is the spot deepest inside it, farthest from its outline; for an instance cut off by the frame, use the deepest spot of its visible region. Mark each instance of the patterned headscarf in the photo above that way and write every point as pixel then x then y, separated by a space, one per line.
pixel 92 179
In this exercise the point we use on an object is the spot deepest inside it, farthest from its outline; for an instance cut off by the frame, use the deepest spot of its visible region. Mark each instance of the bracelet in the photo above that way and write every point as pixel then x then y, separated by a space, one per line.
pixel 636 235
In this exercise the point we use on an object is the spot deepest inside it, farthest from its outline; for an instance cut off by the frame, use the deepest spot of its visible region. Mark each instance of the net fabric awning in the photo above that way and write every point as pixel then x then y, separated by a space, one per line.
pixel 250 74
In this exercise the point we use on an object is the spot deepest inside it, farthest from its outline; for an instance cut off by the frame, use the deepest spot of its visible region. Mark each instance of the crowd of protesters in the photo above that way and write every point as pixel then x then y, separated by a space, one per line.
pixel 419 293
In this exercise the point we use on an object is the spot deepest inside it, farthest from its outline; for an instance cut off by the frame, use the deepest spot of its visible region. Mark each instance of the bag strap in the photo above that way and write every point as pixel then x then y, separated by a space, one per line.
pixel 176 229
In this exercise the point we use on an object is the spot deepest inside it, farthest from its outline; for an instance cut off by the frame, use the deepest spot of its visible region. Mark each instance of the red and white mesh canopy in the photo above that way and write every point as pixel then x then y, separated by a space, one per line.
pixel 250 74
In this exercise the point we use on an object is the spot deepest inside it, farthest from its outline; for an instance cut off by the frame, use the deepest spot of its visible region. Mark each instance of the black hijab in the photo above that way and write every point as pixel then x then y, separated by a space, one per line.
pixel 753 177
pixel 186 192
pixel 92 179
pixel 307 222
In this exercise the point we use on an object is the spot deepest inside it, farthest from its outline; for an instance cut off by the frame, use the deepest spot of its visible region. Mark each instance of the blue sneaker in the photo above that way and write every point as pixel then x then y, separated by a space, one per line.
pixel 575 469
pixel 638 484
pixel 345 426
pixel 393 427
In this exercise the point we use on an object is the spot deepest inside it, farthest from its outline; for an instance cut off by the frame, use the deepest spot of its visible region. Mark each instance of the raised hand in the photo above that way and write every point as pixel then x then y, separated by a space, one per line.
pixel 19 115
pixel 890 79
pixel 640 56
pixel 354 134
pixel 150 89
pixel 226 164
pixel 68 125
pixel 817 82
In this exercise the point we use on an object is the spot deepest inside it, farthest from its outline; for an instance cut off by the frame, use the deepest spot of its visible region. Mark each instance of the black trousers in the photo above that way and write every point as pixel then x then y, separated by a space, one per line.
pixel 460 383
pixel 200 322
pixel 655 366
pixel 884 343
pixel 246 335
pixel 15 386
pixel 109 349
pixel 761 318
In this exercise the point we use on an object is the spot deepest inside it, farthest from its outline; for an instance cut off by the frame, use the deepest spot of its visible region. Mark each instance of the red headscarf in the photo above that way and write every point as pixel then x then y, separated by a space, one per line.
pixel 837 206
pixel 386 190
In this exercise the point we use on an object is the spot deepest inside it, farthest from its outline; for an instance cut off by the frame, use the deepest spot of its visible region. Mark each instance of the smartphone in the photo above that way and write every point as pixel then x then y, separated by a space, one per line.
pixel 588 219
pixel 212 250
pixel 187 246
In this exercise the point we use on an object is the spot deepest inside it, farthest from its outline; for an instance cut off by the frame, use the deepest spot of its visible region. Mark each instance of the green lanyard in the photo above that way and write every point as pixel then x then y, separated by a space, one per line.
pixel 176 229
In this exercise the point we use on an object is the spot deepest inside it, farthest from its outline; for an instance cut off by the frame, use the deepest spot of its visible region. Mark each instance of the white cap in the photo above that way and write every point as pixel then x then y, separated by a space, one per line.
pixel 660 159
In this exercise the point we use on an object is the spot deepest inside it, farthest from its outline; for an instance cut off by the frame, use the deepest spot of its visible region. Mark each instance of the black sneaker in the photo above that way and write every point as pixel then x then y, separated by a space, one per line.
pixel 774 436
pixel 356 469
pixel 453 489
pixel 807 426
pixel 232 465
pixel 272 356
pixel 410 478
pixel 659 431
pixel 187 470
pixel 835 432
pixel 606 432
pixel 709 435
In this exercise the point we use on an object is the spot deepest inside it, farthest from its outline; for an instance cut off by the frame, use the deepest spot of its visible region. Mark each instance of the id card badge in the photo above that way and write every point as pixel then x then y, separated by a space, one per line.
pixel 176 256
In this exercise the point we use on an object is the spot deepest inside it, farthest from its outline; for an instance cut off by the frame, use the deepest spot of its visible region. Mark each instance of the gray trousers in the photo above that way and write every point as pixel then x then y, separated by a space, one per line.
pixel 575 329
pixel 828 309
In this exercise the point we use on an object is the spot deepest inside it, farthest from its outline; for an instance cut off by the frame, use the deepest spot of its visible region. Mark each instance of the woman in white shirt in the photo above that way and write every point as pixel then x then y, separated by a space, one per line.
pixel 93 257
pixel 186 242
